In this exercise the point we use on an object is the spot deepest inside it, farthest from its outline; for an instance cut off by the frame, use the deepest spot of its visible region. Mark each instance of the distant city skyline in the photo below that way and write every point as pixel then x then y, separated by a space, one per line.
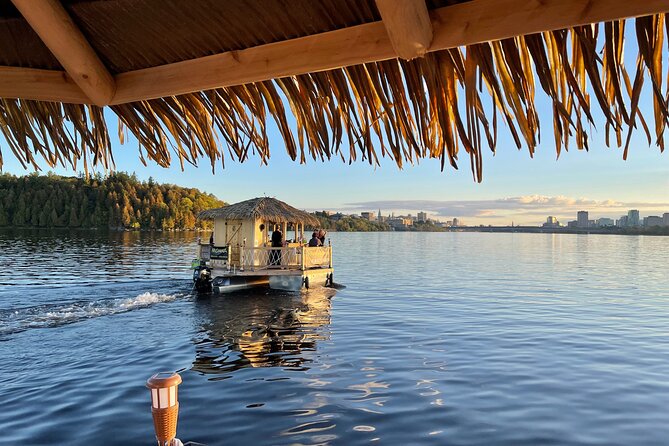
pixel 524 210
pixel 633 218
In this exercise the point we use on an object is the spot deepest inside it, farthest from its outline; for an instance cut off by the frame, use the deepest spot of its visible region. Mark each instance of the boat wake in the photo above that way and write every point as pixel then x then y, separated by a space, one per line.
pixel 52 315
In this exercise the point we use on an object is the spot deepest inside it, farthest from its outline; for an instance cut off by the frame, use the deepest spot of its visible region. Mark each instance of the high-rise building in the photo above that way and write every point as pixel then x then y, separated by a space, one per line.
pixel 633 218
pixel 652 220
pixel 456 222
pixel 422 216
pixel 552 222
pixel 665 219
pixel 582 219
pixel 622 221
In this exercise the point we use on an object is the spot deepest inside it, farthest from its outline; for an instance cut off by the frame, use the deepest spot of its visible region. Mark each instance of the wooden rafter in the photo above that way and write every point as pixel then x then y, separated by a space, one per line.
pixel 408 25
pixel 319 52
pixel 39 85
pixel 61 35
pixel 462 24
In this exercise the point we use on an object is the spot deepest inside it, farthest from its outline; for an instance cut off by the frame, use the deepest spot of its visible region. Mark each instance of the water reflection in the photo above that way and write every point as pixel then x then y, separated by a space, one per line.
pixel 60 257
pixel 260 329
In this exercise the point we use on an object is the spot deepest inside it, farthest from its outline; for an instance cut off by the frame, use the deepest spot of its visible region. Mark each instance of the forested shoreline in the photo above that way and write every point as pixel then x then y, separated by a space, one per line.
pixel 118 201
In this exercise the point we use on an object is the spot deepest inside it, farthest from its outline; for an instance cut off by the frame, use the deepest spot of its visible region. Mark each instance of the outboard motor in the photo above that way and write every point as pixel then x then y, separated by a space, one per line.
pixel 202 278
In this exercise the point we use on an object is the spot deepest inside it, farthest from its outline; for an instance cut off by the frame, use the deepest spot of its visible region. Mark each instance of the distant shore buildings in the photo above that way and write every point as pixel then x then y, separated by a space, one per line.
pixel 551 222
pixel 582 219
pixel 399 222
pixel 371 216
pixel 631 220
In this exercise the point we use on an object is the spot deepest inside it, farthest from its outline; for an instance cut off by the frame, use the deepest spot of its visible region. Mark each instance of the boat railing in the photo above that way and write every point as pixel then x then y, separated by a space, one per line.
pixel 291 257
pixel 265 258
pixel 260 258
pixel 317 256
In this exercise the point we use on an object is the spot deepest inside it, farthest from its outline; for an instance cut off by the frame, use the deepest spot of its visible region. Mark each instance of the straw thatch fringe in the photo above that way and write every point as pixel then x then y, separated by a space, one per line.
pixel 428 107
pixel 265 208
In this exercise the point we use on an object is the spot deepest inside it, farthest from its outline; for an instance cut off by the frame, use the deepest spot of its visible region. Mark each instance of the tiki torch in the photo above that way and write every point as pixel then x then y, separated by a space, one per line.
pixel 165 406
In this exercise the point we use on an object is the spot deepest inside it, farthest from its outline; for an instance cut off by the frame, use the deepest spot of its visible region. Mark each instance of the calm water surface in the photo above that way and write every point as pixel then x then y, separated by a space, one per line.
pixel 449 339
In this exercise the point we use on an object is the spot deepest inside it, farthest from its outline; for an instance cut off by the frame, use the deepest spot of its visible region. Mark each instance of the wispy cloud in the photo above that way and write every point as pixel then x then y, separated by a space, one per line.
pixel 527 209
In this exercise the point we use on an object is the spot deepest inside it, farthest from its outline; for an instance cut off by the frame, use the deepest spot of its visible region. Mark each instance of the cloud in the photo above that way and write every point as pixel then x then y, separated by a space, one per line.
pixel 530 209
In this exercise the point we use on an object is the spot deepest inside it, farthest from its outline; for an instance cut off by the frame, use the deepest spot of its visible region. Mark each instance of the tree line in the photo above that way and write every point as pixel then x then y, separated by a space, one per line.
pixel 117 201
pixel 350 224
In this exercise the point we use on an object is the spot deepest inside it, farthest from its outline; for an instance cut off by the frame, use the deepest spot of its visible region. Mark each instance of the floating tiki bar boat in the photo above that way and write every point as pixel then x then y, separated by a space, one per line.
pixel 241 254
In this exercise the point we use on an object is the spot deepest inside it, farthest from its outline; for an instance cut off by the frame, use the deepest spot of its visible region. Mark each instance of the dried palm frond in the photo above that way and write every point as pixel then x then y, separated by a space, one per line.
pixel 431 107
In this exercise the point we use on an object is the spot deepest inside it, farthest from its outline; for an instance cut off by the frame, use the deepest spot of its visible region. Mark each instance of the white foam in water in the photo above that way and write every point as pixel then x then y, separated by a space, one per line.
pixel 39 317
pixel 146 299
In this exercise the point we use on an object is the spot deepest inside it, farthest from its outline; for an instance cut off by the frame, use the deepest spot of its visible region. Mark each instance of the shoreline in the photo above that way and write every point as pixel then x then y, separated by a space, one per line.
pixel 655 231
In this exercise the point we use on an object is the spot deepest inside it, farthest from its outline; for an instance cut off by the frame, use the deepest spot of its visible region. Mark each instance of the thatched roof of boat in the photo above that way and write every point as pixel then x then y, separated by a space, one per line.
pixel 263 208
pixel 347 79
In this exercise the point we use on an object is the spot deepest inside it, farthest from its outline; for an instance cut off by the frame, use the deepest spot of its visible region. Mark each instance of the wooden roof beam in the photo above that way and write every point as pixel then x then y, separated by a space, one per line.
pixel 61 35
pixel 480 21
pixel 408 25
pixel 40 85
pixel 462 24
pixel 318 52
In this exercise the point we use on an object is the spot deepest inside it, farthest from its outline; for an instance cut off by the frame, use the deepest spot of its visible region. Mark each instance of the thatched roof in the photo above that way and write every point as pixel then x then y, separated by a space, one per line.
pixel 202 79
pixel 263 208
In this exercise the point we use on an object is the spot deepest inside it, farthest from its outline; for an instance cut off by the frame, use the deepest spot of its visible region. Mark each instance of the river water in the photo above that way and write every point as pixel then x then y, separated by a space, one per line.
pixel 443 338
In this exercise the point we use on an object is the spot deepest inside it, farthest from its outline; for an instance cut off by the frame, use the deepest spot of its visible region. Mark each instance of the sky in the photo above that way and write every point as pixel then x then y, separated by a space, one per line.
pixel 515 187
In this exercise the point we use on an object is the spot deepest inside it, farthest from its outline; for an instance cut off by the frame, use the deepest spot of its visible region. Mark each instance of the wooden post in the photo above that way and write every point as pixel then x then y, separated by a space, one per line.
pixel 285 237
pixel 408 25
pixel 61 35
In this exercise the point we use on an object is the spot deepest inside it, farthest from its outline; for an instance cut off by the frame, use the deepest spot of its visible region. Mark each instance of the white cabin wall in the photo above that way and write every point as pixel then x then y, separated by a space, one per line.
pixel 219 232
pixel 247 233
pixel 228 234
pixel 257 233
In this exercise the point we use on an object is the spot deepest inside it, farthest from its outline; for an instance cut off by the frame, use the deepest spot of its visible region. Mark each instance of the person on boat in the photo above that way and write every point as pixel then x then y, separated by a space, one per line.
pixel 277 242
pixel 315 241
pixel 321 236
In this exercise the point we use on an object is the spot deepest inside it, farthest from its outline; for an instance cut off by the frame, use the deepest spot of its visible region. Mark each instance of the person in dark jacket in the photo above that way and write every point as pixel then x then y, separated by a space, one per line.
pixel 315 241
pixel 277 238
pixel 277 242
